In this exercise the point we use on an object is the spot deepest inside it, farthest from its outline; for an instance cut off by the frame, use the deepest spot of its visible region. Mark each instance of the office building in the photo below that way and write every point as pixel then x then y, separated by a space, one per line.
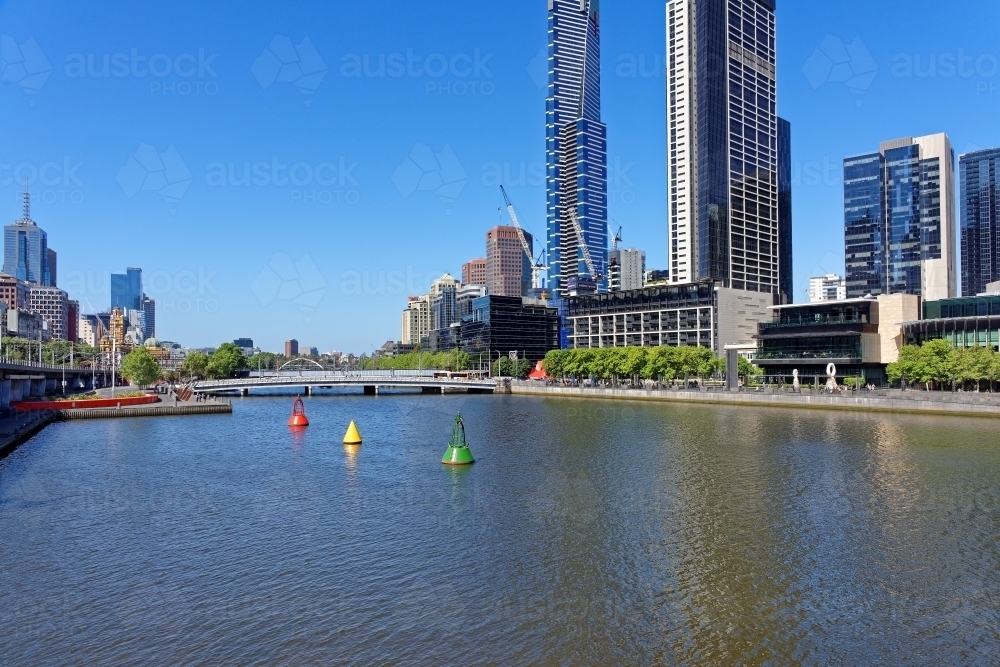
pixel 72 321
pixel 25 248
pixel 724 163
pixel 626 269
pixel 704 314
pixel 136 330
pixel 474 272
pixel 126 290
pixel 786 276
pixel 53 305
pixel 245 344
pixel 575 144
pixel 52 263
pixel 859 336
pixel 15 293
pixel 972 321
pixel 508 268
pixel 463 300
pixel 91 330
pixel 899 221
pixel 980 219
pixel 830 287
pixel 416 324
pixel 149 310
pixel 442 301
pixel 502 324
pixel 27 324
pixel 291 348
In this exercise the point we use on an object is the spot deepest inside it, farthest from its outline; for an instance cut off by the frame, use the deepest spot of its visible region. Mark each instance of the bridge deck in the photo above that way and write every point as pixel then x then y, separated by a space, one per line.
pixel 387 381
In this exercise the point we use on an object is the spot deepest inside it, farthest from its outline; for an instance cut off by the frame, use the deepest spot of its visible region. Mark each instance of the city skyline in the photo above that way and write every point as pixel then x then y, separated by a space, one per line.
pixel 493 138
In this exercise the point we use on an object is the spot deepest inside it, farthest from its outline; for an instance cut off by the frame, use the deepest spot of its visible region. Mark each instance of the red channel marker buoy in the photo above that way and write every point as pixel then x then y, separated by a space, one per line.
pixel 298 417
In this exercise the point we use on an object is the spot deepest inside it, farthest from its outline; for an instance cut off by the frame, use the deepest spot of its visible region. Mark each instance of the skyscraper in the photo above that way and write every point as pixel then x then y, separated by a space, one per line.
pixel 51 264
pixel 899 221
pixel 508 269
pixel 149 308
pixel 575 143
pixel 126 290
pixel 786 278
pixel 626 269
pixel 723 148
pixel 25 248
pixel 979 175
pixel 474 272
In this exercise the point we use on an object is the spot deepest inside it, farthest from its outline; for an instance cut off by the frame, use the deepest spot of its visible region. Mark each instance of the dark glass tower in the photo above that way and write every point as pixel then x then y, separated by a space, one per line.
pixel 898 219
pixel 575 143
pixel 980 212
pixel 786 278
pixel 722 133
pixel 126 290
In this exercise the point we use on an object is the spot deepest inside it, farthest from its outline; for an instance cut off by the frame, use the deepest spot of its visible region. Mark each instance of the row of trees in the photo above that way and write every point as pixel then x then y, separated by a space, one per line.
pixel 222 363
pixel 653 363
pixel 936 364
pixel 455 360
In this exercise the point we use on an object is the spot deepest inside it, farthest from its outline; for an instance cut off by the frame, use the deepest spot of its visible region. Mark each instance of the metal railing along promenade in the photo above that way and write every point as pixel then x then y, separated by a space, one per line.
pixel 343 380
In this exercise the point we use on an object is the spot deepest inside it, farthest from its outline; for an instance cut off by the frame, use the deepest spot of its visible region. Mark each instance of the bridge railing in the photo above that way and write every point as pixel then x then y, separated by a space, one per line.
pixel 20 363
pixel 348 378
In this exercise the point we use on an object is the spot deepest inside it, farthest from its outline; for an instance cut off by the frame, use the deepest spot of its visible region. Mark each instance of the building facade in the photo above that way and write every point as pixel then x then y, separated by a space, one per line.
pixel 25 248
pixel 52 264
pixel 27 324
pixel 508 268
pixel 980 219
pixel 575 144
pixel 626 269
pixel 474 272
pixel 501 325
pixel 126 290
pixel 149 310
pixel 860 337
pixel 53 305
pixel 723 146
pixel 830 287
pixel 899 221
pixel 15 293
pixel 90 330
pixel 972 321
pixel 291 348
pixel 704 314
pixel 786 269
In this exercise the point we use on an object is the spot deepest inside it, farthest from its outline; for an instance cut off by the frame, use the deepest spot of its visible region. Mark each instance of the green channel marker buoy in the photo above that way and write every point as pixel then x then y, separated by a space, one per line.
pixel 458 453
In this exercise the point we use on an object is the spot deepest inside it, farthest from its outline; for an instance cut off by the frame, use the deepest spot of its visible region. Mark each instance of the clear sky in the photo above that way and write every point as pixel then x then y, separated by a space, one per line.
pixel 376 135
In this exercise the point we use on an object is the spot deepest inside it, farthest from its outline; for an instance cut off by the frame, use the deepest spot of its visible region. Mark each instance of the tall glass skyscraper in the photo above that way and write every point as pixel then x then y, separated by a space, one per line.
pixel 979 175
pixel 25 248
pixel 722 140
pixel 126 290
pixel 785 269
pixel 575 143
pixel 899 223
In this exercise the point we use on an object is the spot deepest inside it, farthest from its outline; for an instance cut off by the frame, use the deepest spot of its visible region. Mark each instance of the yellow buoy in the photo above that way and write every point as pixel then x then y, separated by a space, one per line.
pixel 352 437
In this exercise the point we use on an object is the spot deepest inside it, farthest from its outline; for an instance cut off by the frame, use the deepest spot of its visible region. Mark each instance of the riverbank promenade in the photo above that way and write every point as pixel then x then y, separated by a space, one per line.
pixel 892 400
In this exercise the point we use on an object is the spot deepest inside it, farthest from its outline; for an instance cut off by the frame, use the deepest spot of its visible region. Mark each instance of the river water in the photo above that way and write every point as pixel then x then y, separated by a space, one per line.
pixel 587 533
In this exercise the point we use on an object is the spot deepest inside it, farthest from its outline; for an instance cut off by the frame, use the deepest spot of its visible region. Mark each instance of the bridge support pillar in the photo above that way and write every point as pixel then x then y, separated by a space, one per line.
pixel 244 392
pixel 307 391
pixel 432 390
pixel 5 394
pixel 371 390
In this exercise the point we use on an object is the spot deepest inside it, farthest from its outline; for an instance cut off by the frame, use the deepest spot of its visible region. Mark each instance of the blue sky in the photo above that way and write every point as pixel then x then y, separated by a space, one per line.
pixel 368 181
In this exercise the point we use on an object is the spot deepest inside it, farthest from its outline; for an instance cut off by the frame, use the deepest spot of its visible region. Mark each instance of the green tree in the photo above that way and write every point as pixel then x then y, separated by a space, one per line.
pixel 555 363
pixel 195 365
pixel 140 368
pixel 225 361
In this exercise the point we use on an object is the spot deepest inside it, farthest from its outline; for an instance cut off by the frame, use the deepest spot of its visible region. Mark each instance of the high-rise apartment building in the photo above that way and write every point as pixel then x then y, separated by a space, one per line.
pixel 508 269
pixel 53 305
pixel 575 144
pixel 724 159
pixel 149 309
pixel 830 287
pixel 126 289
pixel 899 220
pixel 980 219
pixel 443 292
pixel 626 269
pixel 291 348
pixel 474 272
pixel 15 293
pixel 25 248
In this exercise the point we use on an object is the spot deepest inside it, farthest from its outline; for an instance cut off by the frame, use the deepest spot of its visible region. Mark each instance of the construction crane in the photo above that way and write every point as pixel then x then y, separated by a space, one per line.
pixel 582 242
pixel 616 238
pixel 537 265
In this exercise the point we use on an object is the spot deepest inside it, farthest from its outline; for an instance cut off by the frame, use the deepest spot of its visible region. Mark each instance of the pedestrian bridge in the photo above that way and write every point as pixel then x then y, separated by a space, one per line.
pixel 370 383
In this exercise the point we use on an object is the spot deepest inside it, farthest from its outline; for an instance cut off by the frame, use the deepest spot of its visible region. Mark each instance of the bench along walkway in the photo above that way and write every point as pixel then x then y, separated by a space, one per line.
pixel 914 402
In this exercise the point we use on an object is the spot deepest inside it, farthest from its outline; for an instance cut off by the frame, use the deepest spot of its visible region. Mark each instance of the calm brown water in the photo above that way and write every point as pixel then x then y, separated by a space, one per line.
pixel 587 533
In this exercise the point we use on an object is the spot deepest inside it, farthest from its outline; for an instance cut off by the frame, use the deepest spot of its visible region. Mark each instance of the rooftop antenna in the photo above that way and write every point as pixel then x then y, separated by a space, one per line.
pixel 26 203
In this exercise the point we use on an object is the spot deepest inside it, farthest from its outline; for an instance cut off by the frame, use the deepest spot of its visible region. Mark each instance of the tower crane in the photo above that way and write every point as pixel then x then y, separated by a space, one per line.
pixel 616 238
pixel 582 242
pixel 536 264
